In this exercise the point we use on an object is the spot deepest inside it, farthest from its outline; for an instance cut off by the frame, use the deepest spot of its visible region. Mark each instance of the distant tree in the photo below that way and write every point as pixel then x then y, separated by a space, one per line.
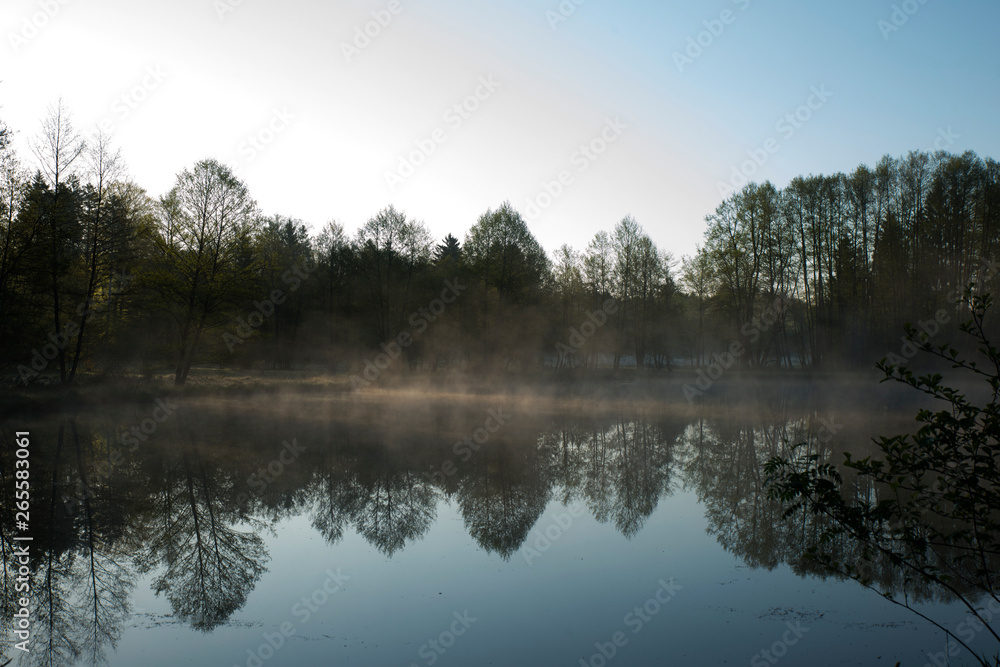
pixel 698 280
pixel 651 275
pixel 391 252
pixel 448 250
pixel 599 268
pixel 625 244
pixel 504 254
pixel 282 253
pixel 509 266
pixel 567 277
pixel 337 270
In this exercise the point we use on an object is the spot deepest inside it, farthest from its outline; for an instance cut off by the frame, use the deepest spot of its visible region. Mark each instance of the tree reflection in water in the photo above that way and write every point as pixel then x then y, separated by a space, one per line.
pixel 209 566
pixel 189 506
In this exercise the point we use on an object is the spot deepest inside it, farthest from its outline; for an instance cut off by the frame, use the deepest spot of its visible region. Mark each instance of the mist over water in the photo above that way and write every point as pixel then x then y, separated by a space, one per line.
pixel 208 524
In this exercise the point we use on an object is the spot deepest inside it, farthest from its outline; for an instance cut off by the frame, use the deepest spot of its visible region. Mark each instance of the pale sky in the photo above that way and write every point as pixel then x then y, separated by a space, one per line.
pixel 190 79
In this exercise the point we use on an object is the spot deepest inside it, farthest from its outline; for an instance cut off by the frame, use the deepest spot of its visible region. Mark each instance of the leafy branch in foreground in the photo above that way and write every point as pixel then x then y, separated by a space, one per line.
pixel 932 509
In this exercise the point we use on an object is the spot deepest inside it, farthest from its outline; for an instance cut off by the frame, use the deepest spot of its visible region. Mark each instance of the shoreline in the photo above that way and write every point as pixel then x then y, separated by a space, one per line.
pixel 625 386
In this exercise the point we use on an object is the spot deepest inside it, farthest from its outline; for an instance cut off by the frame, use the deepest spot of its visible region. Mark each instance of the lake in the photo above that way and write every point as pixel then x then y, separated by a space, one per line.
pixel 434 528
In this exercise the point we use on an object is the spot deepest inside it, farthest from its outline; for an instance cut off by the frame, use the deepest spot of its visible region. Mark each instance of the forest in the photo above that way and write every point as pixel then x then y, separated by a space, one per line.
pixel 100 279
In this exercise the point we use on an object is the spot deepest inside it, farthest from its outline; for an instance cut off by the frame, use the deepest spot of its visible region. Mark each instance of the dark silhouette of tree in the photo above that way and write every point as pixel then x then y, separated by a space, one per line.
pixel 449 250
pixel 510 268
pixel 100 233
pixel 391 251
pixel 58 148
pixel 210 567
pixel 501 493
pixel 97 278
pixel 339 500
pixel 399 507
pixel 107 577
pixel 207 219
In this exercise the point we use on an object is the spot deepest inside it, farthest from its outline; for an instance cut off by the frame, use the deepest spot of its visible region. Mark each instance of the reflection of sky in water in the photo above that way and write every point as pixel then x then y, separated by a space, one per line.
pixel 575 594
pixel 415 554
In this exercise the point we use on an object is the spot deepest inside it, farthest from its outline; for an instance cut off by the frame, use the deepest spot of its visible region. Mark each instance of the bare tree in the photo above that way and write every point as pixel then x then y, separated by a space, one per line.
pixel 104 167
pixel 57 148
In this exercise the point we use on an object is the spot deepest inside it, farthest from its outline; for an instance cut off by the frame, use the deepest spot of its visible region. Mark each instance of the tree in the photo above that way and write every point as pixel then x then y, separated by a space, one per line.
pixel 932 511
pixel 449 250
pixel 698 279
pixel 599 267
pixel 17 234
pixel 283 246
pixel 58 147
pixel 99 231
pixel 337 271
pixel 652 273
pixel 511 267
pixel 625 244
pixel 209 565
pixel 206 219
pixel 391 251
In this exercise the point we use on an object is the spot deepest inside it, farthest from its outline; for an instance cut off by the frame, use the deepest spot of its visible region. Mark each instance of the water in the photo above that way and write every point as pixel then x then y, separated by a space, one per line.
pixel 399 529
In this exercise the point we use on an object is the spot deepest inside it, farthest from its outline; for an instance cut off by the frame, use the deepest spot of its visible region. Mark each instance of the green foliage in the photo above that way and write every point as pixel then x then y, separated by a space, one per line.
pixel 449 250
pixel 934 506
pixel 166 282
pixel 503 254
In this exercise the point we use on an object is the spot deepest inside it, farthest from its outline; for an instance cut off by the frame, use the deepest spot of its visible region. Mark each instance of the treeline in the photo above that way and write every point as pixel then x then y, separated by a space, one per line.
pixel 851 259
pixel 97 277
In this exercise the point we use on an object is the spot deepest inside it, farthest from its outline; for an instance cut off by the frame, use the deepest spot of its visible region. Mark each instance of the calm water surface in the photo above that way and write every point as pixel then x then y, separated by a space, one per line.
pixel 448 531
